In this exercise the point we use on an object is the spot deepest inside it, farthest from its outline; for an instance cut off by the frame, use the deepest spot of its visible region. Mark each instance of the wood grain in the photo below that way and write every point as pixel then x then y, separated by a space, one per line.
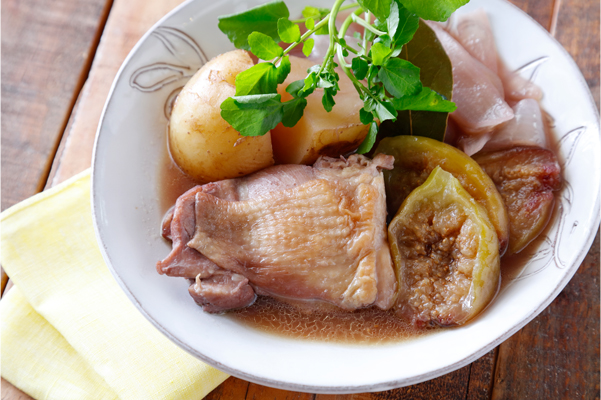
pixel 9 392
pixel 578 32
pixel 540 10
pixel 449 386
pixel 45 58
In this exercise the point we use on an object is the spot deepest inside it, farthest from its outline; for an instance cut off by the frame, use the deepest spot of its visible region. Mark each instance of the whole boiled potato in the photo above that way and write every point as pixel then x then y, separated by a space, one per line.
pixel 319 132
pixel 201 143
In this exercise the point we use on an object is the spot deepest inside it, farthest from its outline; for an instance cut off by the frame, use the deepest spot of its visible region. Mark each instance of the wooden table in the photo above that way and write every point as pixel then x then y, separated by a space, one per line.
pixel 58 61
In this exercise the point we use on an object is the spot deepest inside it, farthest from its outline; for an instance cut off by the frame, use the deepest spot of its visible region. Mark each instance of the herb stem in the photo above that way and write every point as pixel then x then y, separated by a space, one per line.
pixel 345 67
pixel 332 30
pixel 318 26
pixel 367 25
pixel 345 25
pixel 342 8
pixel 368 19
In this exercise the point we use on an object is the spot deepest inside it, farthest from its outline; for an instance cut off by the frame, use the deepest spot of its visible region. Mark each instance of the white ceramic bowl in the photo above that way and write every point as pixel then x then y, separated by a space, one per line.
pixel 129 146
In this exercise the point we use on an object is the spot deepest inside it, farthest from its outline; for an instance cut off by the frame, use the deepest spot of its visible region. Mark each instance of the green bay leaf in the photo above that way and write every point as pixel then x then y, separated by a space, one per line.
pixel 436 73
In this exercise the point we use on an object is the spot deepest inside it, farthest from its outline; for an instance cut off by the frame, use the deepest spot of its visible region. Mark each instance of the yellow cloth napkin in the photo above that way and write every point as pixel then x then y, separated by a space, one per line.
pixel 68 331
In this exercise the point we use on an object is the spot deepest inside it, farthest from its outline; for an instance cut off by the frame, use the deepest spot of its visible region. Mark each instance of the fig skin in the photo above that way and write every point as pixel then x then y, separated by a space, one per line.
pixel 526 178
pixel 446 253
pixel 416 157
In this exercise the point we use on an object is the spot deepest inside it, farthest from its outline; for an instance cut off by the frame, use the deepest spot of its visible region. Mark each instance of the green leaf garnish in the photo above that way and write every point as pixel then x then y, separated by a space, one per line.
pixel 379 52
pixel 258 79
pixel 327 100
pixel 436 73
pixel 379 8
pixel 263 18
pixel 289 32
pixel 283 70
pixel 310 23
pixel 293 111
pixel 369 140
pixel 360 68
pixel 308 47
pixel 253 115
pixel 263 46
pixel 398 67
pixel 316 13
pixel 365 116
pixel 434 10
pixel 408 27
pixel 400 77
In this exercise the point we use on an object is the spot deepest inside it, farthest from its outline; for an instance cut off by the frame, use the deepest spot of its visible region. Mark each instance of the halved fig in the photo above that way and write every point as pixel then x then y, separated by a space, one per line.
pixel 416 157
pixel 526 178
pixel 446 253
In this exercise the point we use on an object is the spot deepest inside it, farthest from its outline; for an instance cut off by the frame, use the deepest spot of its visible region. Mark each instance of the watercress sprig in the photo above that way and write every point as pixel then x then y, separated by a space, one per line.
pixel 386 83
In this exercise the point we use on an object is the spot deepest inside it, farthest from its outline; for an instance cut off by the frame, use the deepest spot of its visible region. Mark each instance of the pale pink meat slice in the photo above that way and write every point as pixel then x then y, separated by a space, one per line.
pixel 473 32
pixel 324 239
pixel 525 129
pixel 477 91
pixel 516 86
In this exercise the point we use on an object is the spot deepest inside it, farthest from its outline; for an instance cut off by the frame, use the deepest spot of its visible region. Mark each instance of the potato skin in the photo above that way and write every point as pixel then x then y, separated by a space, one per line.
pixel 318 132
pixel 201 143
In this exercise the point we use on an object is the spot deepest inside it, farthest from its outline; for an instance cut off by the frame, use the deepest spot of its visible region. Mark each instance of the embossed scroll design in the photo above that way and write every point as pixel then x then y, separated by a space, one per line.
pixel 185 58
pixel 549 253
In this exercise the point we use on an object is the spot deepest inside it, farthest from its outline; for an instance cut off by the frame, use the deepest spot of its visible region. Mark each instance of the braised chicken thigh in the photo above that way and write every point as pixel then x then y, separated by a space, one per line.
pixel 289 231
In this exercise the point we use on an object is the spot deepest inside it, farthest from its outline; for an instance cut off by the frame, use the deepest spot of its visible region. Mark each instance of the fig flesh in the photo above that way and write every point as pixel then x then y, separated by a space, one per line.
pixel 526 178
pixel 446 253
pixel 416 157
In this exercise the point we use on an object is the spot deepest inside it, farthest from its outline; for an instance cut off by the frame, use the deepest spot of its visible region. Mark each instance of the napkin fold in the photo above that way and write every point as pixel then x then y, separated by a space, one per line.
pixel 67 329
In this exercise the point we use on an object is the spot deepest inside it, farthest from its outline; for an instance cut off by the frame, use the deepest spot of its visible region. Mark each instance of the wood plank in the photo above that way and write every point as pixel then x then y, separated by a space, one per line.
pixel 9 392
pixel 540 10
pixel 578 32
pixel 481 376
pixel 46 57
pixel 450 386
pixel 231 388
pixel 259 392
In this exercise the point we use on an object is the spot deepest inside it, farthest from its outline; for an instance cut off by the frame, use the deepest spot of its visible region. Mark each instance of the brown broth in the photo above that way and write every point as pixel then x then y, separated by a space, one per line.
pixel 172 181
pixel 366 326
pixel 513 265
